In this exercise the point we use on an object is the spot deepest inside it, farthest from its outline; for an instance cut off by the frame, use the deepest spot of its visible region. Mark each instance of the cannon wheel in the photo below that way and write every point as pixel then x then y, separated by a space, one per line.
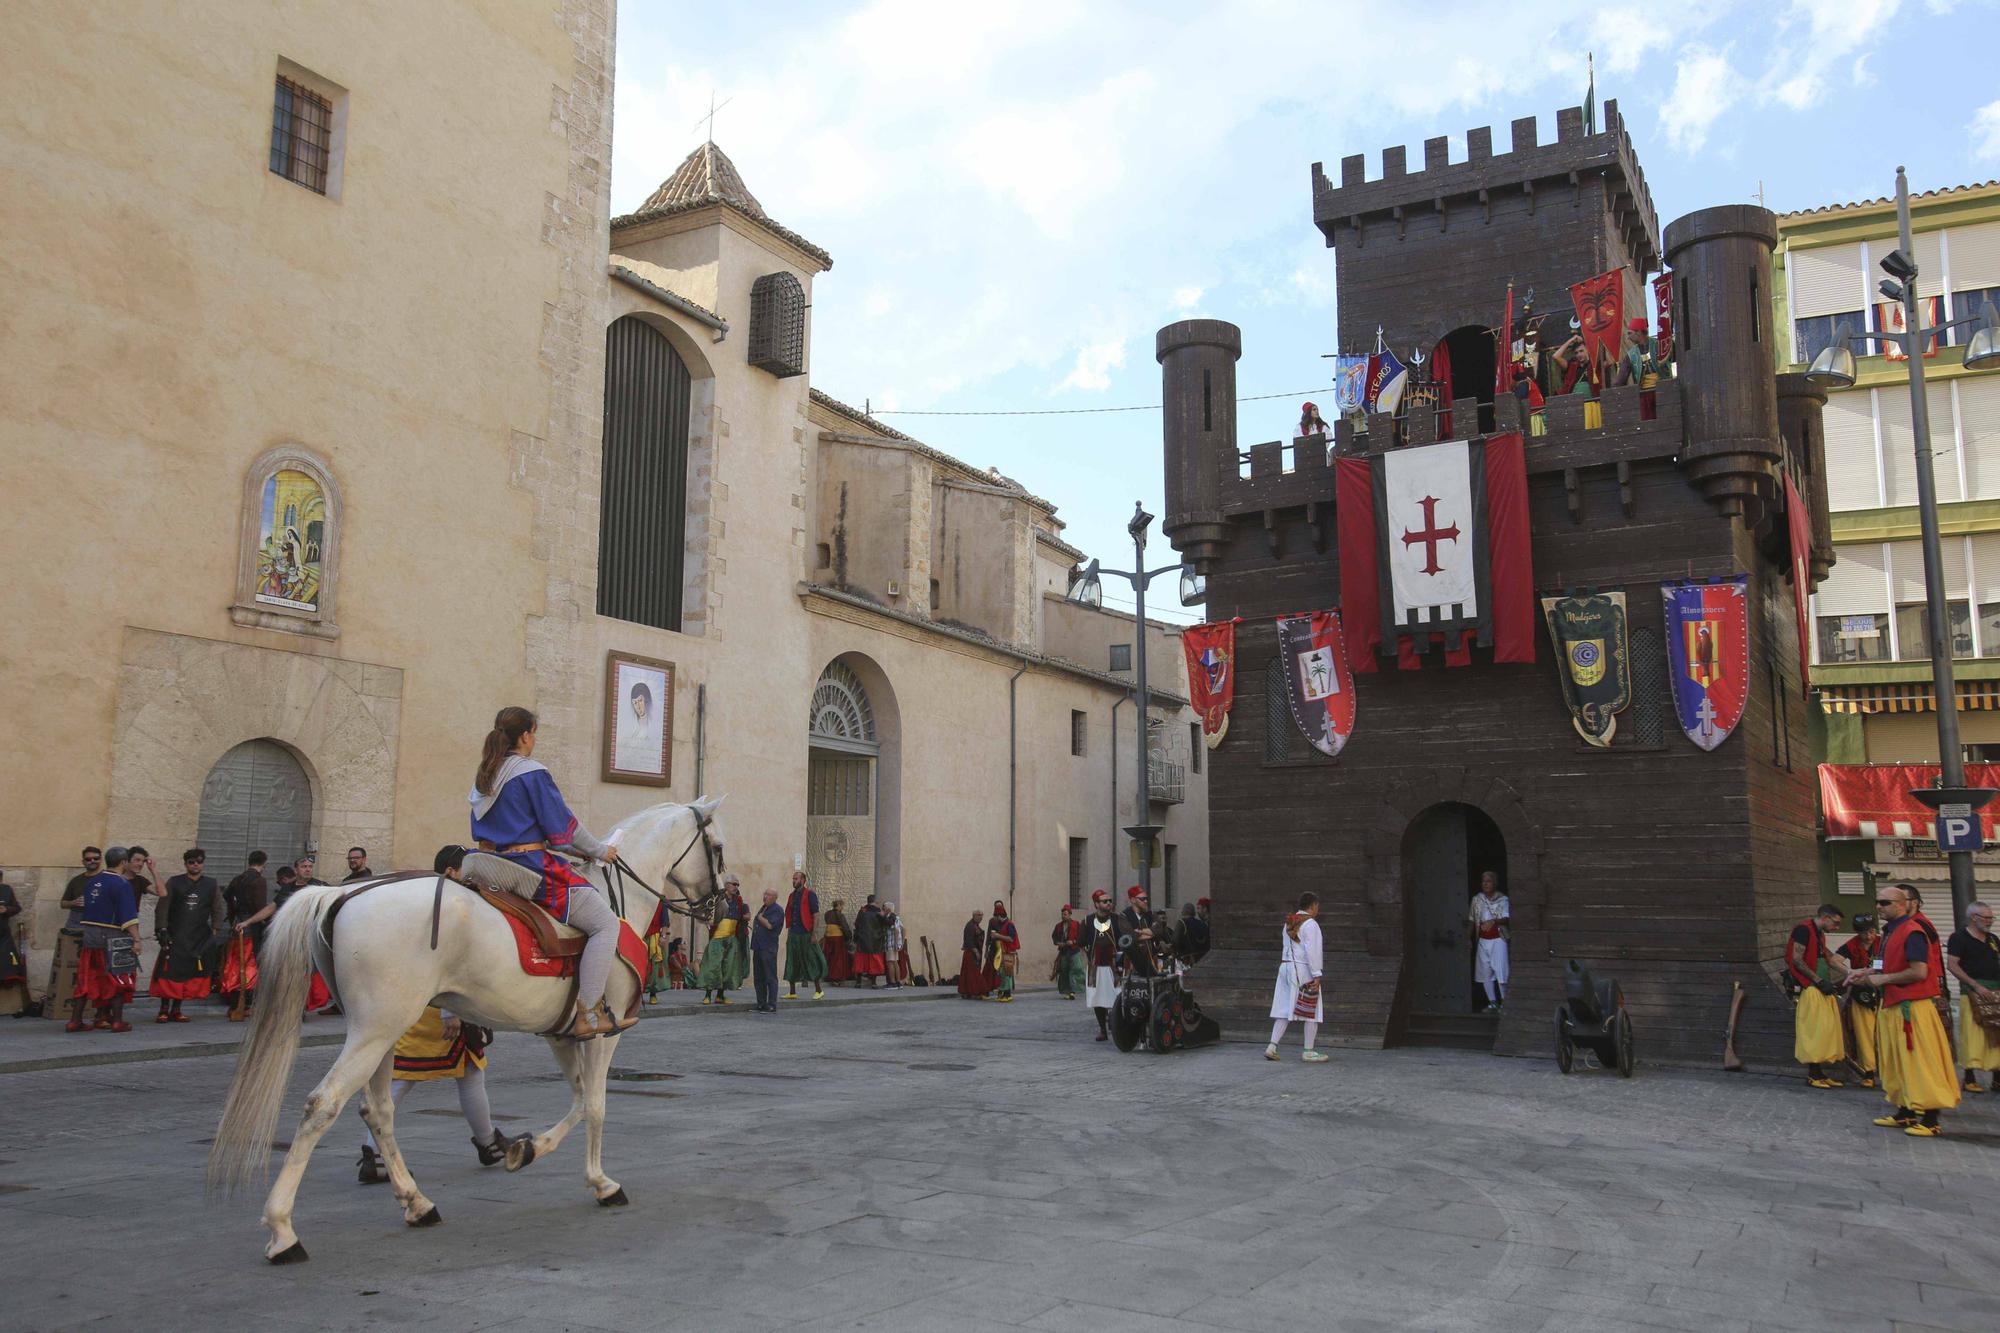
pixel 1565 1048
pixel 1167 1026
pixel 1126 1032
pixel 1623 1032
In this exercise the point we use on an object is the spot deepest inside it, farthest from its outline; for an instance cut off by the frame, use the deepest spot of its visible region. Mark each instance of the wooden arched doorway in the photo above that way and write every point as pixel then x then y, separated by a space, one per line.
pixel 256 798
pixel 1471 350
pixel 1445 850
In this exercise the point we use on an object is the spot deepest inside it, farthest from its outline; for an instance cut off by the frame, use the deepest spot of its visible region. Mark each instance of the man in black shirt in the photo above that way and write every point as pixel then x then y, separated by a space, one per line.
pixel 249 909
pixel 1973 956
pixel 69 940
pixel 357 865
pixel 191 914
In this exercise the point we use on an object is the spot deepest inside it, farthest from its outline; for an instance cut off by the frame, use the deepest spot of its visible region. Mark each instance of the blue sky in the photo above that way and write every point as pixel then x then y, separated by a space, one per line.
pixel 1018 195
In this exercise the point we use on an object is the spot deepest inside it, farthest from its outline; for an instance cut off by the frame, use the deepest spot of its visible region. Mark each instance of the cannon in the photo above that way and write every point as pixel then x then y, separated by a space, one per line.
pixel 1593 1016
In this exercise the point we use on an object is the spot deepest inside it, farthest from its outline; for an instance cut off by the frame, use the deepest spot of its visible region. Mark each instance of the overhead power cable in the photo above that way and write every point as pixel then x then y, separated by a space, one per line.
pixel 1067 411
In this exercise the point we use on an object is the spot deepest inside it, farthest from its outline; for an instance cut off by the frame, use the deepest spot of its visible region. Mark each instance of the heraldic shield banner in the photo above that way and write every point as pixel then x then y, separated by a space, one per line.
pixel 1318 685
pixel 1211 669
pixel 1708 655
pixel 1594 657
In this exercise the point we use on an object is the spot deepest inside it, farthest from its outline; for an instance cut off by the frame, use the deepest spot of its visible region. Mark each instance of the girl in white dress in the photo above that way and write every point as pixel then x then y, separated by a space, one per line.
pixel 1300 965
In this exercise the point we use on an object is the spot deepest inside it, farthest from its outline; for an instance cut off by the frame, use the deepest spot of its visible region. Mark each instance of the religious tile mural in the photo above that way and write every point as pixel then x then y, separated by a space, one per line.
pixel 291 532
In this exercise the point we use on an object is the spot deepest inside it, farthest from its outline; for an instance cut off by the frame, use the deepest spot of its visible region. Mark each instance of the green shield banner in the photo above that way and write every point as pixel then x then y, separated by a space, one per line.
pixel 1593 658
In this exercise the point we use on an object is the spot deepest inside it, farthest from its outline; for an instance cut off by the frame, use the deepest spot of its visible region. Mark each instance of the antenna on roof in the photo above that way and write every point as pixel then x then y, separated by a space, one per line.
pixel 709 119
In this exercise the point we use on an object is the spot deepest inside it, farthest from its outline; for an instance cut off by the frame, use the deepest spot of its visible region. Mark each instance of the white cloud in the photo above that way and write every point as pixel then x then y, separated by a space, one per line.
pixel 1094 364
pixel 1187 298
pixel 1985 128
pixel 1705 86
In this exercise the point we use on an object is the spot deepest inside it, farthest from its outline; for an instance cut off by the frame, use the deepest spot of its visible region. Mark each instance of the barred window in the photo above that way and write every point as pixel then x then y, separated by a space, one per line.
pixel 301 135
pixel 1079 731
pixel 642 524
pixel 1079 858
pixel 778 325
pixel 840 786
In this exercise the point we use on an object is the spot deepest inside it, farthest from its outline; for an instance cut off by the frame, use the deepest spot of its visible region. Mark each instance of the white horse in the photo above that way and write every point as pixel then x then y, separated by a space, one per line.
pixel 384 971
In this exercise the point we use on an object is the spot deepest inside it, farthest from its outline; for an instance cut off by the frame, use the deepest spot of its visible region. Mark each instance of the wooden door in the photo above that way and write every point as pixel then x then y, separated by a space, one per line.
pixel 1438 946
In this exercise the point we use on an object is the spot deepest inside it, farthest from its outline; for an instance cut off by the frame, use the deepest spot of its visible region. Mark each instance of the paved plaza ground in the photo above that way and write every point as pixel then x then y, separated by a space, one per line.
pixel 892 1164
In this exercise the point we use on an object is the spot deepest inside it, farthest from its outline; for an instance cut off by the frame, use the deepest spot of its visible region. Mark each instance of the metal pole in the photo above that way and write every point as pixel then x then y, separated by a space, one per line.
pixel 1143 784
pixel 1951 757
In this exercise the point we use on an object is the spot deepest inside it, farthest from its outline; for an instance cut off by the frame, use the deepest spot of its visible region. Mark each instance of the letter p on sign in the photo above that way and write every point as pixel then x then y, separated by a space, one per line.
pixel 1958 829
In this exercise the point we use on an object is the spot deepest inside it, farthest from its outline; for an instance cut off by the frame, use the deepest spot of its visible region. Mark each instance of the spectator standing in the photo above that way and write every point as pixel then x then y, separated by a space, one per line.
pixel 895 948
pixel 1005 954
pixel 972 959
pixel 357 865
pixel 187 918
pixel 1973 956
pixel 839 948
pixel 765 931
pixel 870 939
pixel 249 909
pixel 107 969
pixel 13 968
pixel 69 940
pixel 677 965
pixel 1068 939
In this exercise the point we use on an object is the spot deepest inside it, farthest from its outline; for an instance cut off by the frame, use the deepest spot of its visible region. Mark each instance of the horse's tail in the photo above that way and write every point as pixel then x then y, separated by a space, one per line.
pixel 242 1149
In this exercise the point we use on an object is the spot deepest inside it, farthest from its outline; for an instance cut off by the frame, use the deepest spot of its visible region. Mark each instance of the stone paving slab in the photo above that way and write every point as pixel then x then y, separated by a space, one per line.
pixel 978 1168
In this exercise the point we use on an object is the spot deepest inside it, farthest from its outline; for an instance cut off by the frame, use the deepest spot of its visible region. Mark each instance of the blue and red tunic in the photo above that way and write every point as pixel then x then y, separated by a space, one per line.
pixel 529 808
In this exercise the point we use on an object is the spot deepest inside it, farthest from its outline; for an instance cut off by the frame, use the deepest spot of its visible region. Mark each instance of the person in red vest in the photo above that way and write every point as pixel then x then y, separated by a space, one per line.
pixel 1817 1039
pixel 1863 1006
pixel 803 959
pixel 1918 1077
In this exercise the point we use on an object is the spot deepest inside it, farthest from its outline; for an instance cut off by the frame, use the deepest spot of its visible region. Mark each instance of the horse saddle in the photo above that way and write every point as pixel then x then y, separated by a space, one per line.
pixel 499 882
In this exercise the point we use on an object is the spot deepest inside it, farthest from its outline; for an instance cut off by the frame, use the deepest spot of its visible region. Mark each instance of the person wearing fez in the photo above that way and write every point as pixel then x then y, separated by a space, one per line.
pixel 1817 1040
pixel 1862 1005
pixel 1918 1078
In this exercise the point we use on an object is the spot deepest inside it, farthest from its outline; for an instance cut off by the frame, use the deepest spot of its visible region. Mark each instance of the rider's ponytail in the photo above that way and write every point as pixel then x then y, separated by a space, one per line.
pixel 509 725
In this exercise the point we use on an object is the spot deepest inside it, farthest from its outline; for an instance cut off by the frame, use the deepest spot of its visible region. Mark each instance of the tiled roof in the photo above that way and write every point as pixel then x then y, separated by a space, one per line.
pixel 706 178
pixel 1944 192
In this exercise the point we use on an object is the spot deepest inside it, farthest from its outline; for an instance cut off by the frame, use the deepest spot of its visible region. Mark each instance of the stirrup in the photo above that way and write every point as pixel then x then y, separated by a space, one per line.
pixel 585 1025
pixel 618 1024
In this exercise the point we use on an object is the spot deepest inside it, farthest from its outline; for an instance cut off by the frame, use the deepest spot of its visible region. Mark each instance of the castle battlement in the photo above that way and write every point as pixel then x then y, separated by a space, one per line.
pixel 1550 175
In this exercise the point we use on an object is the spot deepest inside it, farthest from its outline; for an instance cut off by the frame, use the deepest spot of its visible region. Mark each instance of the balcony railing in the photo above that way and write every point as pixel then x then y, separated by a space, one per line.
pixel 1166 781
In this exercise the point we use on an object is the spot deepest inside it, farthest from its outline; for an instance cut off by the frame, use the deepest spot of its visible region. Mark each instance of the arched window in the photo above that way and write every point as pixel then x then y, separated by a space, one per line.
pixel 842 718
pixel 289 545
pixel 642 526
pixel 778 325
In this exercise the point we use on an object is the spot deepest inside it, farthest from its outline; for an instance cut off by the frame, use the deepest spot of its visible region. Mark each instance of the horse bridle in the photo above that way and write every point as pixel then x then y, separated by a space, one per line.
pixel 693 908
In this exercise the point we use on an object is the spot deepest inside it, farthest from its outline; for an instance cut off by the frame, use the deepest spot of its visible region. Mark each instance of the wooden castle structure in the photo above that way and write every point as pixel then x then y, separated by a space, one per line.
pixel 1674 870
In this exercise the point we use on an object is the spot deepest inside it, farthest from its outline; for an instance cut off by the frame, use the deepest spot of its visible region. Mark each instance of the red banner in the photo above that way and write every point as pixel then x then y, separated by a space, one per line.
pixel 1600 310
pixel 1663 297
pixel 1798 524
pixel 1211 671
pixel 1874 801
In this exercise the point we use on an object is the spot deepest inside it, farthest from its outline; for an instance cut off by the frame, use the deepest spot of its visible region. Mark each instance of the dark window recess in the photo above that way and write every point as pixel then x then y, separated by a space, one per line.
pixel 1756 308
pixel 1684 320
pixel 937 595
pixel 825 553
pixel 1972 301
pixel 1862 638
pixel 1812 336
pixel 301 135
pixel 778 325
pixel 1121 657
pixel 1172 866
pixel 1777 728
pixel 1207 406
pixel 1196 747
pixel 1649 690
pixel 1079 858
pixel 642 527
pixel 1985 753
pixel 1079 731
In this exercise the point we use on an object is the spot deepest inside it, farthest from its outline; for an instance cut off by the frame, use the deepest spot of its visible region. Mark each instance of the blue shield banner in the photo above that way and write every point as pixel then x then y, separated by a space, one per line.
pixel 1350 383
pixel 1708 655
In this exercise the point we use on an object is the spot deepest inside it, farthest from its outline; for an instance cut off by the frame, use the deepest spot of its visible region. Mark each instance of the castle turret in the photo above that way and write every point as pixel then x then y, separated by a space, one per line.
pixel 1198 386
pixel 1800 406
pixel 1724 351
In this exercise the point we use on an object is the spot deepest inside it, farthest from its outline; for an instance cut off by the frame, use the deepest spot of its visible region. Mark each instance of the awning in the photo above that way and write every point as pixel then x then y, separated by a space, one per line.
pixel 1874 801
pixel 1906 697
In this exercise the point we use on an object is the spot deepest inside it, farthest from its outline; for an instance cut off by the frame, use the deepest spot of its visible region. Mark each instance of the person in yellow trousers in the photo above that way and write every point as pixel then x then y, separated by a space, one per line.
pixel 1863 1006
pixel 1918 1079
pixel 1817 1040
pixel 1973 956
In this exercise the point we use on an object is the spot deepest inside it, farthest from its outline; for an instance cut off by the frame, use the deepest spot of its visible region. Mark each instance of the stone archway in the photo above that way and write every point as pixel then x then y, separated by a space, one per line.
pixel 184 703
pixel 854 783
pixel 1445 850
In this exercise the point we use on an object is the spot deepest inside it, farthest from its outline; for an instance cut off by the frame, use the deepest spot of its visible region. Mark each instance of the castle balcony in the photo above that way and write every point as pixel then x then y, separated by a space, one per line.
pixel 1166 781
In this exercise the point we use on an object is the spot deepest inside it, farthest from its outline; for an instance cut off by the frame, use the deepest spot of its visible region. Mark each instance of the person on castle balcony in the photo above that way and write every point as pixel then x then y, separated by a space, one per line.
pixel 1301 969
pixel 803 959
pixel 1918 1078
pixel 1973 956
pixel 1639 364
pixel 1817 1040
pixel 1311 422
pixel 1860 952
pixel 839 947
pixel 1490 916
pixel 518 812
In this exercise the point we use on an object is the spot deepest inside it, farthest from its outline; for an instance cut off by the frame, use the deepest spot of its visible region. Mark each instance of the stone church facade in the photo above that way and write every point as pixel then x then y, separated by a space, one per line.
pixel 339 413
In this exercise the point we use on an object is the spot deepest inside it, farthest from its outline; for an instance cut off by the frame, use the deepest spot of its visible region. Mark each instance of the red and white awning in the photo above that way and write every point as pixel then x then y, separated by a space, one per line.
pixel 1874 801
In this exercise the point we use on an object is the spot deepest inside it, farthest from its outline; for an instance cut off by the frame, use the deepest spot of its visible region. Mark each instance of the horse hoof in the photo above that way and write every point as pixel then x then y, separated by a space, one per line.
pixel 520 1152
pixel 429 1219
pixel 295 1253
pixel 615 1199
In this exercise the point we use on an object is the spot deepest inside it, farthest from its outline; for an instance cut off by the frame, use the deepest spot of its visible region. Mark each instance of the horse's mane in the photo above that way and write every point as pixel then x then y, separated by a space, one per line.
pixel 652 814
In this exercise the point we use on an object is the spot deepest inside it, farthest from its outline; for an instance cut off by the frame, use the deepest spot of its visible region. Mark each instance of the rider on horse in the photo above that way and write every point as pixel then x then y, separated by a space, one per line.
pixel 518 812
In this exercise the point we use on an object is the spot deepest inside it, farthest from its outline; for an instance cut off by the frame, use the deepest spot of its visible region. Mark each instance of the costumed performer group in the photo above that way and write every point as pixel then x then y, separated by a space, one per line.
pixel 1914 1054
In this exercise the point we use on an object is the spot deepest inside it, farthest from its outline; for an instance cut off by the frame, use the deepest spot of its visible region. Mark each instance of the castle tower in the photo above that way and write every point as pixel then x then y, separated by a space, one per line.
pixel 1198 366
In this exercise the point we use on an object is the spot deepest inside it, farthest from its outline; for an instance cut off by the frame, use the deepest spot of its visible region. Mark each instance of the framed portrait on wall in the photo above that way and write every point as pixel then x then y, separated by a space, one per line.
pixel 638 720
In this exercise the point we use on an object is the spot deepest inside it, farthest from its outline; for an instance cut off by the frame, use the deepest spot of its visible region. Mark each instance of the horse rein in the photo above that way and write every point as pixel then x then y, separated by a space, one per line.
pixel 694 909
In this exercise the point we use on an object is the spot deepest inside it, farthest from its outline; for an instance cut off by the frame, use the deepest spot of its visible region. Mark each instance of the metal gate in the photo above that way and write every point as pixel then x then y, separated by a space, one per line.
pixel 256 797
pixel 840 788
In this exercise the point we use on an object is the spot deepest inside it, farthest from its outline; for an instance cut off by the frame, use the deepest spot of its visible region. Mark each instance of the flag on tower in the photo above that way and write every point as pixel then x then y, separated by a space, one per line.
pixel 1708 655
pixel 1386 378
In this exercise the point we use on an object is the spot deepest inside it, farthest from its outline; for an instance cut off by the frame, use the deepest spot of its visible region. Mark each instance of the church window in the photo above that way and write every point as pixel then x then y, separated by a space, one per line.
pixel 778 325
pixel 1079 857
pixel 307 117
pixel 288 545
pixel 642 527
pixel 1079 731
pixel 1121 657
pixel 1195 746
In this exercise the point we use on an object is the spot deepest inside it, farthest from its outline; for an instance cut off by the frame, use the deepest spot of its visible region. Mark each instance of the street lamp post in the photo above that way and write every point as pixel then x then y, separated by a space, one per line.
pixel 1088 589
pixel 1834 367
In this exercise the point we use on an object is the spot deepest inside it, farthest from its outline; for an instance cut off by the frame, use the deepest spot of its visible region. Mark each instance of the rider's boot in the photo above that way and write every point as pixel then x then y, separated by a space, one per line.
pixel 493 1151
pixel 372 1171
pixel 602 1013
pixel 586 1024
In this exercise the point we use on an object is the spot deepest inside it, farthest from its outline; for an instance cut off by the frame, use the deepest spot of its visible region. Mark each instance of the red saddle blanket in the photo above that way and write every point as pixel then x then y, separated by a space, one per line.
pixel 631 952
